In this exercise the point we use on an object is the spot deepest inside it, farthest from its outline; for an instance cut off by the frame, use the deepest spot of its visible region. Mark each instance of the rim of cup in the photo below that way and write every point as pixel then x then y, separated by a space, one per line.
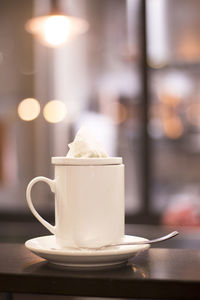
pixel 90 161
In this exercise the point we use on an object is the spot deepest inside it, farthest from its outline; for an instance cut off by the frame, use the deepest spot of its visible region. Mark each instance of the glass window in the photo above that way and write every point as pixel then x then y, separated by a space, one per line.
pixel 174 109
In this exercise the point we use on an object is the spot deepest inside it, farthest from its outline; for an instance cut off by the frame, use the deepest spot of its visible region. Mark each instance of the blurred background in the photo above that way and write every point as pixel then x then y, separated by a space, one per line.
pixel 127 69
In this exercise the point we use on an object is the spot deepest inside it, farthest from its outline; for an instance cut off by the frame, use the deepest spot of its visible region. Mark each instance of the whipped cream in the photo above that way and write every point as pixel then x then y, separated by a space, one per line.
pixel 85 145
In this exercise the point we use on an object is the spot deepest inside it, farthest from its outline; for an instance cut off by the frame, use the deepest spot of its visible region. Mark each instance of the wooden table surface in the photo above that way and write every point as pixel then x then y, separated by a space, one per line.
pixel 155 274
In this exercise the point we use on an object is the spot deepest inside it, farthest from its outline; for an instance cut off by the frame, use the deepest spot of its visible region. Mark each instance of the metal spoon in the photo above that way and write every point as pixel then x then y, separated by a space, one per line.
pixel 160 239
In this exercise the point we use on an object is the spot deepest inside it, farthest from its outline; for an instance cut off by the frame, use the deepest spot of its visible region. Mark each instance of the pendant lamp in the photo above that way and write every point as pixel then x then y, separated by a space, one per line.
pixel 55 29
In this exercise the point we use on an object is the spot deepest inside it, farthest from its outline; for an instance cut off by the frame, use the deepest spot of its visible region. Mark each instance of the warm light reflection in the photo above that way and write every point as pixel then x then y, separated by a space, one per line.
pixel 169 109
pixel 54 111
pixel 116 111
pixel 155 65
pixel 169 99
pixel 173 127
pixel 188 47
pixel 28 109
pixel 193 113
pixel 55 30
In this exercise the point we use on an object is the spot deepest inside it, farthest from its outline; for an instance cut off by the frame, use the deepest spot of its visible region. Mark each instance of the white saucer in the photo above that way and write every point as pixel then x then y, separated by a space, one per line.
pixel 47 248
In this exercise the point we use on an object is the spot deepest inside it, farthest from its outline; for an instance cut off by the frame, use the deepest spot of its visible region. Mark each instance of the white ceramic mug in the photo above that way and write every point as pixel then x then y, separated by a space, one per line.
pixel 89 201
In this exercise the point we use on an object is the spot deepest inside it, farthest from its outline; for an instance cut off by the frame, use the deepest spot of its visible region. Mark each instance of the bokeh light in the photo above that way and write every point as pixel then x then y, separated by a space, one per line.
pixel 29 109
pixel 54 111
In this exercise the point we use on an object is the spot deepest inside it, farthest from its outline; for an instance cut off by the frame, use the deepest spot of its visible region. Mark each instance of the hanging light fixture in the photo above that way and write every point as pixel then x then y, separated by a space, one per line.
pixel 54 29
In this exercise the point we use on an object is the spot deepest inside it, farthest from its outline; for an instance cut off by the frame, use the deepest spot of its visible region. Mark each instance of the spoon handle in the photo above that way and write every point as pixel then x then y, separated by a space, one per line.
pixel 160 239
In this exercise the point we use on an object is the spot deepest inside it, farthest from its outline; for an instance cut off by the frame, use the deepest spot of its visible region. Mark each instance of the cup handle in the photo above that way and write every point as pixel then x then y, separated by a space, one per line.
pixel 52 185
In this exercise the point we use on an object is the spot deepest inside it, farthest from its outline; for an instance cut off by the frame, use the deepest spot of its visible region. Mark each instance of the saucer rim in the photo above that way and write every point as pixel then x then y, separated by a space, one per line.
pixel 113 250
